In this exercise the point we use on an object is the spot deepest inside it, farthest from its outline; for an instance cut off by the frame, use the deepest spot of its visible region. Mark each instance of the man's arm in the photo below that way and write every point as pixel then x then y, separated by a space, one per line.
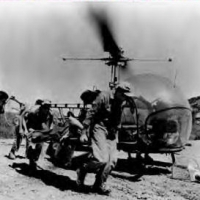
pixel 48 125
pixel 92 112
pixel 22 121
pixel 90 117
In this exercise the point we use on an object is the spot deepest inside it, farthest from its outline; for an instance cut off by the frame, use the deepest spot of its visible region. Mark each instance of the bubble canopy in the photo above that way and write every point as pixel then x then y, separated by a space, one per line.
pixel 164 107
pixel 156 88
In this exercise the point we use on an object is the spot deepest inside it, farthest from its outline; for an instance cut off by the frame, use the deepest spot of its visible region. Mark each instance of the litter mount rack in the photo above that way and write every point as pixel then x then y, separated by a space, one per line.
pixel 69 105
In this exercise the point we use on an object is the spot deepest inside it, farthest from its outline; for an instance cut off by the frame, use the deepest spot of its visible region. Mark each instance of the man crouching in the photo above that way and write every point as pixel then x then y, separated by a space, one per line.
pixel 101 128
pixel 40 121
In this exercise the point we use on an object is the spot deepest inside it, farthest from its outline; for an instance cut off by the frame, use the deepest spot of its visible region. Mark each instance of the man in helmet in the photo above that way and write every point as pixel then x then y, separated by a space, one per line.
pixel 101 127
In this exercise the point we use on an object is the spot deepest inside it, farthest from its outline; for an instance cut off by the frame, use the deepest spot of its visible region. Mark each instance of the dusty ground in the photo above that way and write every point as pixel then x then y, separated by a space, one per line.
pixel 18 183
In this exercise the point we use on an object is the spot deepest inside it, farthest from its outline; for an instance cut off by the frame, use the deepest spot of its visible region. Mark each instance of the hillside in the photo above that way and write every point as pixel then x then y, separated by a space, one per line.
pixel 195 105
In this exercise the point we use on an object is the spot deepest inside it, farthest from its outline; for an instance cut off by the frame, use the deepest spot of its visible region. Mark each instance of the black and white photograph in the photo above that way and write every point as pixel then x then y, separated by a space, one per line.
pixel 100 100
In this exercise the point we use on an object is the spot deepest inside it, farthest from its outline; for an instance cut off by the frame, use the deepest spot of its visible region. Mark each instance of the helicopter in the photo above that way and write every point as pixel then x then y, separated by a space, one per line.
pixel 160 119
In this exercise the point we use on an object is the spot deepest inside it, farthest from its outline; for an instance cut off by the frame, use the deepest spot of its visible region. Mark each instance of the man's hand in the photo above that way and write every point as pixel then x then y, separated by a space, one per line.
pixel 25 132
pixel 31 130
pixel 29 133
pixel 64 137
pixel 22 133
pixel 84 137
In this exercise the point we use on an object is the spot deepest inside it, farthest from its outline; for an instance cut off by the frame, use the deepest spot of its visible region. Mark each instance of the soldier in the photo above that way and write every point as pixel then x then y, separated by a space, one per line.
pixel 61 151
pixel 3 99
pixel 41 122
pixel 20 128
pixel 103 120
pixel 88 96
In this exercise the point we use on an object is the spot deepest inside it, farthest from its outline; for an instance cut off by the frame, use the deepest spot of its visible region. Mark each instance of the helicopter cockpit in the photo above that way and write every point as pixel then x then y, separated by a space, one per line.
pixel 160 116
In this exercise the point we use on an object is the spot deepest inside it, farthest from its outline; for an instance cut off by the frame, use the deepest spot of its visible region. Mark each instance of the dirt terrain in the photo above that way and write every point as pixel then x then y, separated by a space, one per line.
pixel 128 180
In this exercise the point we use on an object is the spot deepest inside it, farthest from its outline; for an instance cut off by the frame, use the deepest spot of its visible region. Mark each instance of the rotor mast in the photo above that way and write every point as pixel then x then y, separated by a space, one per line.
pixel 115 75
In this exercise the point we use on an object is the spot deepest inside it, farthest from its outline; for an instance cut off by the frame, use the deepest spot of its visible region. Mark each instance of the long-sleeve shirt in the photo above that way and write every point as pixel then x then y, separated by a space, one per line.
pixel 38 122
pixel 105 111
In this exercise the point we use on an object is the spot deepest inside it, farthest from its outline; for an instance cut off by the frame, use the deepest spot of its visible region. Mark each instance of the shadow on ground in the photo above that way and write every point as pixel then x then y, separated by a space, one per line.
pixel 17 156
pixel 130 169
pixel 49 178
pixel 137 169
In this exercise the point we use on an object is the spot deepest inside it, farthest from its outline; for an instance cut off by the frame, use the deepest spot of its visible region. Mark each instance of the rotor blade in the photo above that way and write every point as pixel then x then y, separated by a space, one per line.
pixel 103 59
pixel 149 60
pixel 107 38
pixel 126 70
pixel 122 59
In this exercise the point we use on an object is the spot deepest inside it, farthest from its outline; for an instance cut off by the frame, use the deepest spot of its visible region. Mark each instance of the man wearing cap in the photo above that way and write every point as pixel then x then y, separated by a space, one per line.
pixel 21 128
pixel 103 120
pixel 40 121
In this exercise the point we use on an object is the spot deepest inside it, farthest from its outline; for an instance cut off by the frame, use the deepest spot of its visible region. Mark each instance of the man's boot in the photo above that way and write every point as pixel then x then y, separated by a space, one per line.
pixel 32 165
pixel 100 182
pixel 81 174
pixel 101 189
pixel 11 155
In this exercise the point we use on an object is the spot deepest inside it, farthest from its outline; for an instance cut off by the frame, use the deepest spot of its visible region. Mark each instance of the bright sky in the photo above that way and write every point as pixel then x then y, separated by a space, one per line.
pixel 35 35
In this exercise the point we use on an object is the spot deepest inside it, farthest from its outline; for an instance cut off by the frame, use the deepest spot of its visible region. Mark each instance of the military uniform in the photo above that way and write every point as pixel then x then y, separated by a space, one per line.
pixel 104 120
pixel 61 151
pixel 20 128
pixel 36 121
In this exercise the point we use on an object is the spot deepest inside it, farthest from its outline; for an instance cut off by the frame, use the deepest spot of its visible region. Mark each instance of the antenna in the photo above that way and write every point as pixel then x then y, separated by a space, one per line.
pixel 176 73
pixel 94 87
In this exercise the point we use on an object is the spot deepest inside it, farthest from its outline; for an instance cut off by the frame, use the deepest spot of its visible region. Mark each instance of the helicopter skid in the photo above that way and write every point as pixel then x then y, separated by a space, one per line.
pixel 133 147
